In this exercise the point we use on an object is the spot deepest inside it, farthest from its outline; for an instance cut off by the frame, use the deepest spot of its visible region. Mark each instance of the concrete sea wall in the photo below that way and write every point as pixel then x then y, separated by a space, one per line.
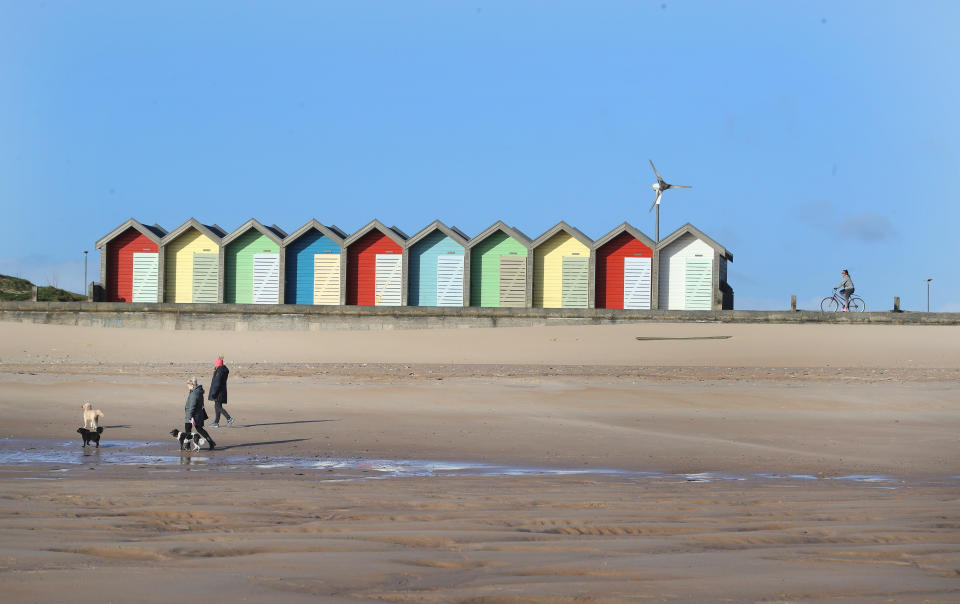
pixel 303 317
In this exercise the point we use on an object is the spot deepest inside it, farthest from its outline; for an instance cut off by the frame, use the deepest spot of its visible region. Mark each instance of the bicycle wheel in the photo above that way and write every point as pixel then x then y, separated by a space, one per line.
pixel 856 304
pixel 829 305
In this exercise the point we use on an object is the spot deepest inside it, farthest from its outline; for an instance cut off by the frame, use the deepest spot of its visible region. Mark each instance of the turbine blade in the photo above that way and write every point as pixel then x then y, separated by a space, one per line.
pixel 655 202
pixel 681 186
pixel 655 170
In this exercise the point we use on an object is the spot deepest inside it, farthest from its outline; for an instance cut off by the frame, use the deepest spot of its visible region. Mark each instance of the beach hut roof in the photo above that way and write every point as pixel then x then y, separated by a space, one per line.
pixel 501 226
pixel 159 230
pixel 436 225
pixel 689 228
pixel 395 234
pixel 338 231
pixel 212 231
pixel 563 226
pixel 527 237
pixel 625 227
pixel 268 232
pixel 154 233
pixel 333 233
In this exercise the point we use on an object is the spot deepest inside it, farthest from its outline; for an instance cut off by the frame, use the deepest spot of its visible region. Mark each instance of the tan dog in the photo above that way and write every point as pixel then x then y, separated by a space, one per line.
pixel 91 416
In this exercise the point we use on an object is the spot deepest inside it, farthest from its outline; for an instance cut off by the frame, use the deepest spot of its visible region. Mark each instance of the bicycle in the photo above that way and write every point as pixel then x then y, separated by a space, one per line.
pixel 835 302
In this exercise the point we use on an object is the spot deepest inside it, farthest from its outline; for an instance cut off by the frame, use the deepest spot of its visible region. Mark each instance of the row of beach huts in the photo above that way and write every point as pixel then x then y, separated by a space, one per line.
pixel 439 266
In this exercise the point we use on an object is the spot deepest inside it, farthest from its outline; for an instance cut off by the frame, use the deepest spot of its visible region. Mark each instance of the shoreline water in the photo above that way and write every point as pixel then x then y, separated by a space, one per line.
pixel 49 456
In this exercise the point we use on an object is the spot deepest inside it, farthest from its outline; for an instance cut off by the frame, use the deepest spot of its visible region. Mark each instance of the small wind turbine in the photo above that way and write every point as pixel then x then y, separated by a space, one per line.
pixel 660 186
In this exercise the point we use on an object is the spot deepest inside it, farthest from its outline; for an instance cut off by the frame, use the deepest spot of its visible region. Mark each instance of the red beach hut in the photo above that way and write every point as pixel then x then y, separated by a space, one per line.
pixel 130 262
pixel 624 270
pixel 375 266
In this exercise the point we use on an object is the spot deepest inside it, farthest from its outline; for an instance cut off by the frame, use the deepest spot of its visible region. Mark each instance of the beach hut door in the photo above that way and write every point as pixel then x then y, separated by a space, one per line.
pixel 575 276
pixel 146 282
pixel 450 280
pixel 699 279
pixel 326 279
pixel 636 283
pixel 389 269
pixel 513 281
pixel 205 268
pixel 266 278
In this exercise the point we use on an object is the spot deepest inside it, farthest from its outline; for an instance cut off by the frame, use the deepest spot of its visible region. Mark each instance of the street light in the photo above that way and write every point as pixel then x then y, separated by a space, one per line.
pixel 84 290
pixel 928 294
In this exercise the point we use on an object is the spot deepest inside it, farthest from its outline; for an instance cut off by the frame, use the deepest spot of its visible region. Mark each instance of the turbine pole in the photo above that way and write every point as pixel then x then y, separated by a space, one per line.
pixel 658 223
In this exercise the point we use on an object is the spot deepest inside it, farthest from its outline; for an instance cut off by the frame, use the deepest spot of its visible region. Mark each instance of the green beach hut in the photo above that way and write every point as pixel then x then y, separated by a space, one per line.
pixel 500 271
pixel 252 266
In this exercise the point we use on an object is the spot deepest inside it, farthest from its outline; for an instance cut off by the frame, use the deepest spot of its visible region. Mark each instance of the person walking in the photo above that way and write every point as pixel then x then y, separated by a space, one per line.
pixel 218 392
pixel 846 288
pixel 194 413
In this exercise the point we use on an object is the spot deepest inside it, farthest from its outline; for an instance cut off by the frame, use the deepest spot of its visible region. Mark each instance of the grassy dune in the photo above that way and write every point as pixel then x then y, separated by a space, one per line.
pixel 14 288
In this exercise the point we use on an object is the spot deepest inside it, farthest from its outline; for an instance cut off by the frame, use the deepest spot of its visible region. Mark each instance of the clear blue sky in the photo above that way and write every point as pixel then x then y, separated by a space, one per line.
pixel 816 135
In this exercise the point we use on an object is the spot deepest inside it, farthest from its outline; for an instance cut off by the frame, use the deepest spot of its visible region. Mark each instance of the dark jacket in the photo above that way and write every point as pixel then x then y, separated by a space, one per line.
pixel 194 407
pixel 218 385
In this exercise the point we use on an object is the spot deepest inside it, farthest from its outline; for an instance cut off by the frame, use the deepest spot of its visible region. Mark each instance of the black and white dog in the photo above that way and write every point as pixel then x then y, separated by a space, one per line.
pixel 90 436
pixel 188 442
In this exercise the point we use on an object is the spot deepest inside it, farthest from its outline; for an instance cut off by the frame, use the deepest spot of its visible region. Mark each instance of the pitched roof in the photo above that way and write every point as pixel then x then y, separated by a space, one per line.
pixel 154 233
pixel 563 226
pixel 396 235
pixel 158 230
pixel 268 232
pixel 331 232
pixel 501 226
pixel 436 225
pixel 625 227
pixel 343 234
pixel 212 231
pixel 689 228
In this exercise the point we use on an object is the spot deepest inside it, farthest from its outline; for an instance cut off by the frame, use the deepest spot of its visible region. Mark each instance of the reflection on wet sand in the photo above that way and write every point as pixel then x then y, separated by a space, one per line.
pixel 35 454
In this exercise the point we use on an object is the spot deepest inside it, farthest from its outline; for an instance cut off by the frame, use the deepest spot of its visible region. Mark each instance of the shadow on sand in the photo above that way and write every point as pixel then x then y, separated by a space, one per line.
pixel 261 443
pixel 302 421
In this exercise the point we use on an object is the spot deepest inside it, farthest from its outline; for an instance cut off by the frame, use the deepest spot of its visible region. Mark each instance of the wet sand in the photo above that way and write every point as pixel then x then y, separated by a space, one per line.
pixel 490 465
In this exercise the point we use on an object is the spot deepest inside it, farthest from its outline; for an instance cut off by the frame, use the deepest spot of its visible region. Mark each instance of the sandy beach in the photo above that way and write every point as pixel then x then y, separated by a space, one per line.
pixel 655 462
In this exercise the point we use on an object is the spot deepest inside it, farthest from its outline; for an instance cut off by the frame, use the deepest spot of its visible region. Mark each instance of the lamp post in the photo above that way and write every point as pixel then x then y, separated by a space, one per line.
pixel 928 294
pixel 84 290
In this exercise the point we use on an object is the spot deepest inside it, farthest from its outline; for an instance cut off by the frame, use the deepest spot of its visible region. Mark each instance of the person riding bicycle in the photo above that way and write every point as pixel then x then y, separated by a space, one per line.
pixel 846 288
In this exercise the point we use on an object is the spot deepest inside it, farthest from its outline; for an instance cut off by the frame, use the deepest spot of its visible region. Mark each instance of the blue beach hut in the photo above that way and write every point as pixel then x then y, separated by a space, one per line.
pixel 312 271
pixel 437 267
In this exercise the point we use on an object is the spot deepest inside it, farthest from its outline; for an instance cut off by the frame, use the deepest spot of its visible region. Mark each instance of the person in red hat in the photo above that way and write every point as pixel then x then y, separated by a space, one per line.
pixel 218 392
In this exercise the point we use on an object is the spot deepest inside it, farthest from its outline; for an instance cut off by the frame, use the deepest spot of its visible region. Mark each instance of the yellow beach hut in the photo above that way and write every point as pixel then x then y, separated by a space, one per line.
pixel 191 254
pixel 561 268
